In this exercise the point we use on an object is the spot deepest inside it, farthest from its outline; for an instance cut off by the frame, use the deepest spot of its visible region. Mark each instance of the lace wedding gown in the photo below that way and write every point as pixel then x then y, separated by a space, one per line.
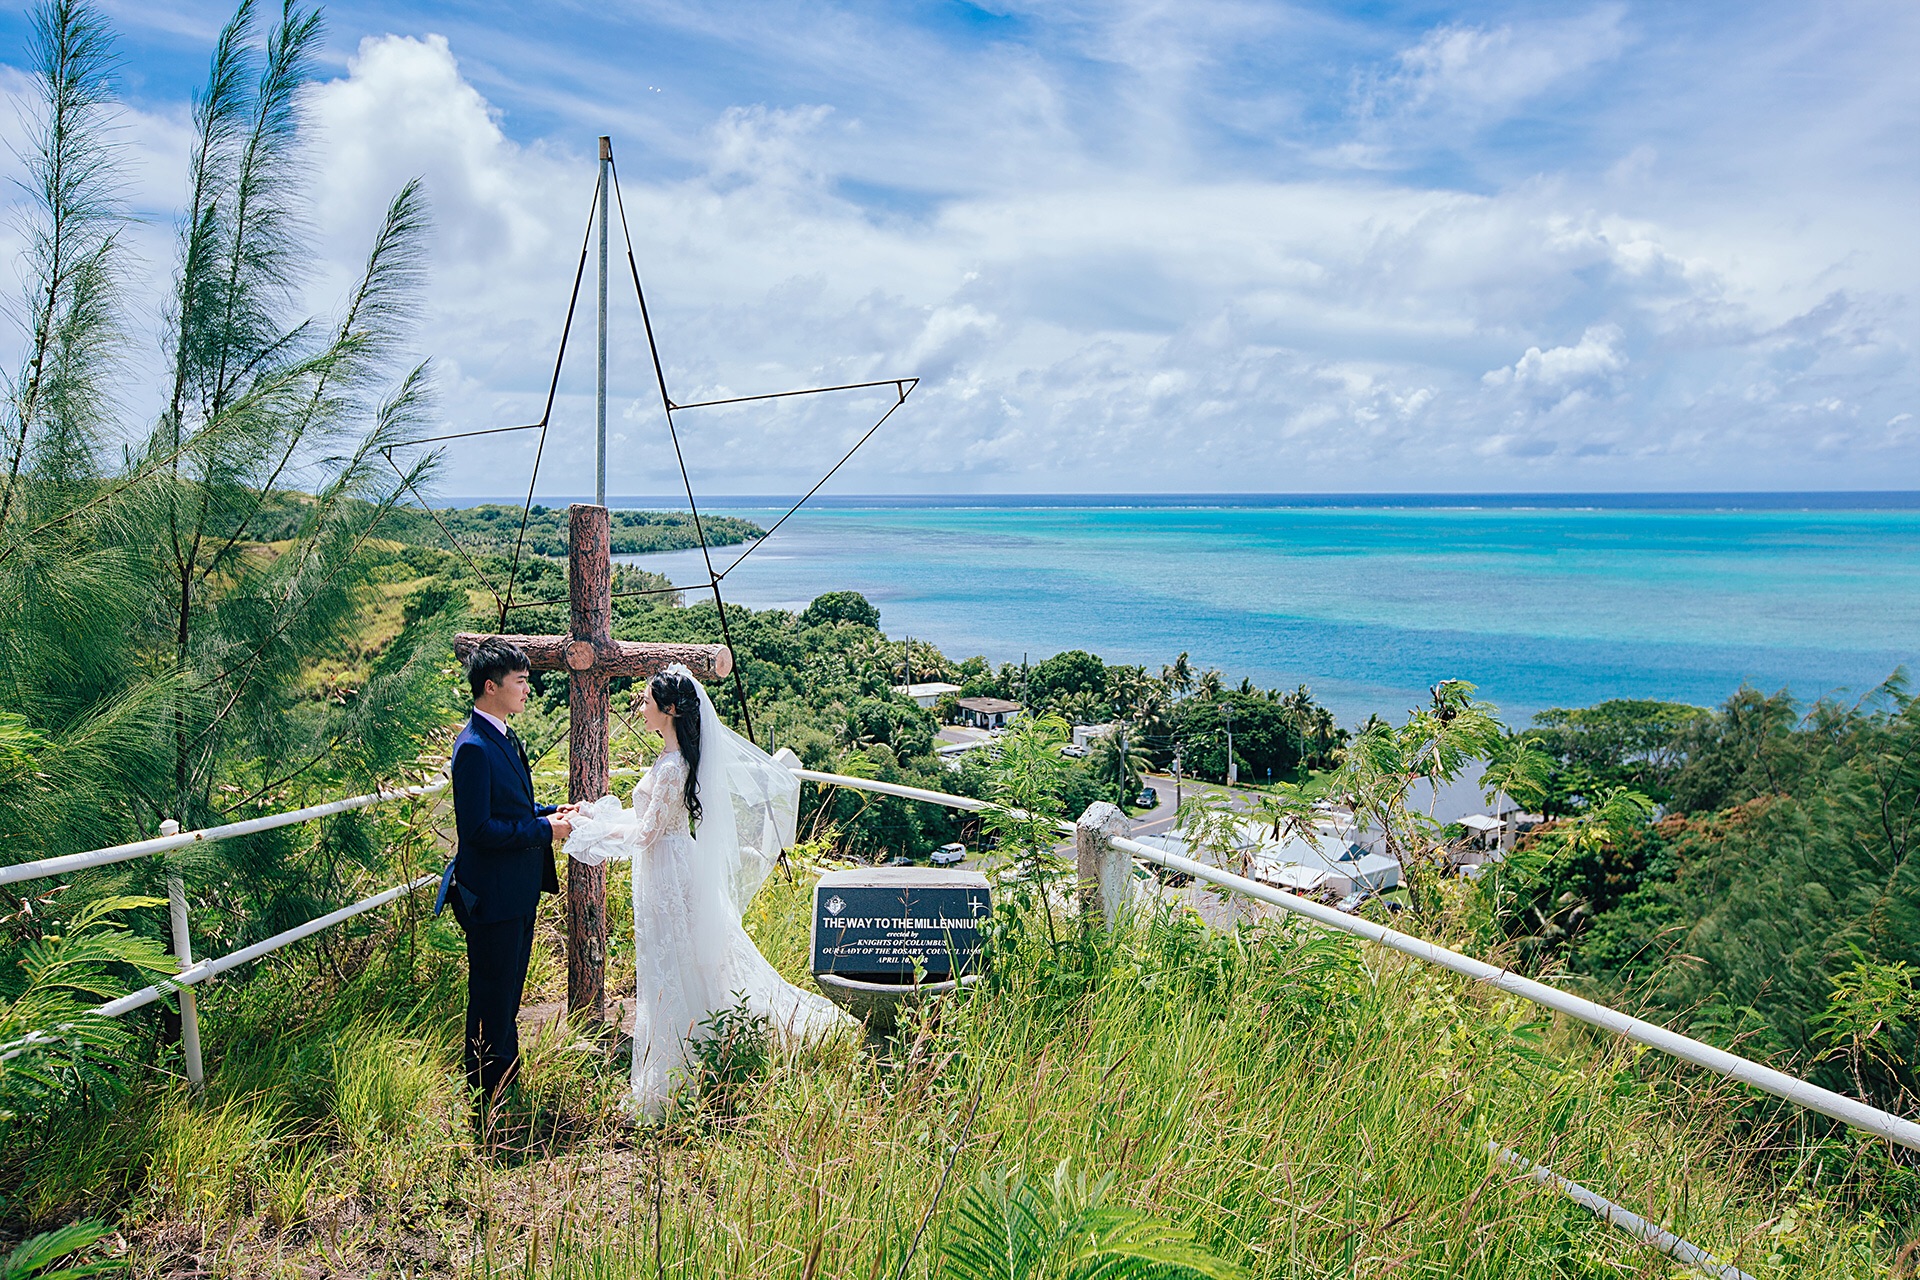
pixel 692 957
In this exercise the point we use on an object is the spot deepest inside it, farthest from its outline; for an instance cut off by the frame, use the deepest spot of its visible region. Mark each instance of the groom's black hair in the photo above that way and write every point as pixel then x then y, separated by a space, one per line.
pixel 494 659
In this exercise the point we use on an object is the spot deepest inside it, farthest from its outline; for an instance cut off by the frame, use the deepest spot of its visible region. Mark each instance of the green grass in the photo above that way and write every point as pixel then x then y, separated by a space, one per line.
pixel 1305 1107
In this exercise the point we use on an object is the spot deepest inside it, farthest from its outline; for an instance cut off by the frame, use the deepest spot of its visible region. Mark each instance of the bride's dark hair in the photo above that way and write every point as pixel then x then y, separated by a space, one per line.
pixel 679 697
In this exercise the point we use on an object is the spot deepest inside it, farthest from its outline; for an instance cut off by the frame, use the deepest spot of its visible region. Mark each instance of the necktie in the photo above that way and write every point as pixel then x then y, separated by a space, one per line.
pixel 519 750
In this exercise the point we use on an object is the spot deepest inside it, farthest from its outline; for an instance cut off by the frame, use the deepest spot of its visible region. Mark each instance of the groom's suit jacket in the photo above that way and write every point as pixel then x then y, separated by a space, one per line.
pixel 505 855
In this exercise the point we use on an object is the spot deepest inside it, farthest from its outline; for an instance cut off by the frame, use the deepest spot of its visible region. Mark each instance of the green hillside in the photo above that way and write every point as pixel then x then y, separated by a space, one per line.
pixel 1303 1107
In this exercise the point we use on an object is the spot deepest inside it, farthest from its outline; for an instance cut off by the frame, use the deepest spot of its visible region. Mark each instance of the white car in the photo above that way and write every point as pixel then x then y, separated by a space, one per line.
pixel 949 855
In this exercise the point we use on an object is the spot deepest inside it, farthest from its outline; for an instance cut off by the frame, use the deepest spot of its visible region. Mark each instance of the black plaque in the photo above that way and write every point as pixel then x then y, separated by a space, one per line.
pixel 876 923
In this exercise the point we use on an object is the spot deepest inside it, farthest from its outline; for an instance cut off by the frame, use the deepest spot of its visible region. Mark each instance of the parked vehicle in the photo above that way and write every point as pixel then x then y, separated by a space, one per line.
pixel 1352 902
pixel 1073 752
pixel 948 855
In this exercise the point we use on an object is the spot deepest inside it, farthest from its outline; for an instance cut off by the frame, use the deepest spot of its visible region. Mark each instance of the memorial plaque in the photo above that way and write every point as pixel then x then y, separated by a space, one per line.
pixel 874 923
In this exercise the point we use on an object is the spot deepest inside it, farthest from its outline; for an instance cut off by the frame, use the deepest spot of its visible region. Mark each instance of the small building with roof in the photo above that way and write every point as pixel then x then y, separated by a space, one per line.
pixel 1300 864
pixel 987 713
pixel 926 693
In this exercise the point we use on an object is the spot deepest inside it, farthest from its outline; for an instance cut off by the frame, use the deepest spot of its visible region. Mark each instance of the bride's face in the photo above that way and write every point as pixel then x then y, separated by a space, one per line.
pixel 651 714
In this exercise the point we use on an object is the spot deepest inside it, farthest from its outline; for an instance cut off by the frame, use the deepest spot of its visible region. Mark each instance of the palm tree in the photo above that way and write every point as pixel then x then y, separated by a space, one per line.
pixel 852 732
pixel 1085 707
pixel 1520 771
pixel 1118 764
pixel 1209 685
pixel 1128 688
pixel 1178 675
pixel 1326 737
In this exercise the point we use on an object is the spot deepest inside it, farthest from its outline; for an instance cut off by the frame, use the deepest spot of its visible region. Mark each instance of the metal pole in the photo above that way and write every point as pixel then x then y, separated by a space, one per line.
pixel 600 385
pixel 1233 773
pixel 183 950
pixel 1618 1216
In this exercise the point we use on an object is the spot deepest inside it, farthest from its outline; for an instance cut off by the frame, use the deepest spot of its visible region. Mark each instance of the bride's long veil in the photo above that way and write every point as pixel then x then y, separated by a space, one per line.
pixel 750 808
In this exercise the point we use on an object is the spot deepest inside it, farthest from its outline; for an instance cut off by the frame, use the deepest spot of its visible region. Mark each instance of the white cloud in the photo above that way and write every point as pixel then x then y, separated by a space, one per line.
pixel 1485 71
pixel 1597 355
pixel 1460 78
pixel 1082 288
pixel 1247 334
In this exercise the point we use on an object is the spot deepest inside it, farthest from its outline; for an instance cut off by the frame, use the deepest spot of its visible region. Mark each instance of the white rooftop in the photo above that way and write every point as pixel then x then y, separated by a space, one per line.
pixel 1296 861
pixel 926 689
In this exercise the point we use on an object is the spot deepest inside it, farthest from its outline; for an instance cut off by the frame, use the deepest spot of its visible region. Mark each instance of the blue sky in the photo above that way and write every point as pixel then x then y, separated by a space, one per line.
pixel 1194 246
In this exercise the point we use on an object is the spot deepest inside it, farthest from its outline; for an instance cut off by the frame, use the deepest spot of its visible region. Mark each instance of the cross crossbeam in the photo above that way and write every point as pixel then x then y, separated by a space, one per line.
pixel 615 658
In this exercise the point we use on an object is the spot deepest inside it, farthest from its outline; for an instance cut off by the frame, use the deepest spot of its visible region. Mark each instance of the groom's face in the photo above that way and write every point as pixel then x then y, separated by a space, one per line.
pixel 509 696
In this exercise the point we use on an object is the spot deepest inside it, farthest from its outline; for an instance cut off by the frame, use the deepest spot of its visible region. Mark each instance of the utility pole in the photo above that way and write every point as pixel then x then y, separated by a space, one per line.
pixel 1233 770
pixel 600 384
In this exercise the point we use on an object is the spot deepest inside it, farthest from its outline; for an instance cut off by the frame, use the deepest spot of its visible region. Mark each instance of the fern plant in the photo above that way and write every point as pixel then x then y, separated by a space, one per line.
pixel 64 1049
pixel 34 1259
pixel 1014 1226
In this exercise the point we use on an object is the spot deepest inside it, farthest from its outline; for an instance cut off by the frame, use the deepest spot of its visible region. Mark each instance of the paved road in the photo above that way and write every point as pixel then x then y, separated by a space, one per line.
pixel 1160 819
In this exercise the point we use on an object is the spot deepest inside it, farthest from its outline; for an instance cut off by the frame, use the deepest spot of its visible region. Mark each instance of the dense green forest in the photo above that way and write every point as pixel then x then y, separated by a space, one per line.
pixel 1774 905
pixel 497 529
pixel 227 609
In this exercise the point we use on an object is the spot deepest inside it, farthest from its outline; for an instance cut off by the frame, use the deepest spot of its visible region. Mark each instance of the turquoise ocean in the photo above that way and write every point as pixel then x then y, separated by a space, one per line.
pixel 1540 600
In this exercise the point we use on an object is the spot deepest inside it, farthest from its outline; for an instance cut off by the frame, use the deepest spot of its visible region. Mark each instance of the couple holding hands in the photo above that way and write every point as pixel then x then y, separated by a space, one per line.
pixel 705 826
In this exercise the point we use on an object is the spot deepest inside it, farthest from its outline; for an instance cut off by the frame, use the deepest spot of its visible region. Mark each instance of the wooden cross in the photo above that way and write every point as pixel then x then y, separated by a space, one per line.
pixel 591 656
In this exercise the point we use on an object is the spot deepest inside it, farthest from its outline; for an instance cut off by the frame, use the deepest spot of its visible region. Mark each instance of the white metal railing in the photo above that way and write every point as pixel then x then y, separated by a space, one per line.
pixel 1814 1098
pixel 190 974
pixel 178 839
pixel 1837 1106
pixel 1620 1216
pixel 1733 1066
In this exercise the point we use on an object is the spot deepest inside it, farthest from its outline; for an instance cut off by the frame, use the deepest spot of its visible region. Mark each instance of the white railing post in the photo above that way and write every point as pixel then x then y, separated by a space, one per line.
pixel 183 950
pixel 1106 873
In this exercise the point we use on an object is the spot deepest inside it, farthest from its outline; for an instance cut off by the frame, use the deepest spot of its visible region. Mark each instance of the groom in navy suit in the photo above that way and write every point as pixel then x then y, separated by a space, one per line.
pixel 503 863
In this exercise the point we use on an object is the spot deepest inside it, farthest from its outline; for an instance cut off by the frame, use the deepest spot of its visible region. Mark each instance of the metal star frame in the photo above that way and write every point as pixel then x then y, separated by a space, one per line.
pixel 506 604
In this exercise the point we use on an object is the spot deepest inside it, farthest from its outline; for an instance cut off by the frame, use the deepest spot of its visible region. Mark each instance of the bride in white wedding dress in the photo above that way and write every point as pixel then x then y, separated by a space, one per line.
pixel 707 822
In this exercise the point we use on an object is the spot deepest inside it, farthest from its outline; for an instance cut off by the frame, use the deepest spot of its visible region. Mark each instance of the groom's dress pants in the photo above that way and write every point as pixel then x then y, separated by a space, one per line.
pixel 497 956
